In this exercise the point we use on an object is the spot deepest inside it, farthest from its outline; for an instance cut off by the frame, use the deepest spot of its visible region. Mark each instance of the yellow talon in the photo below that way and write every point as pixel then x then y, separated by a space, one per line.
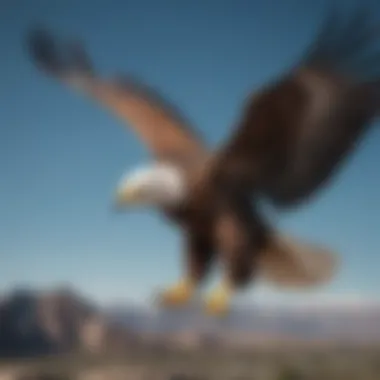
pixel 177 295
pixel 218 303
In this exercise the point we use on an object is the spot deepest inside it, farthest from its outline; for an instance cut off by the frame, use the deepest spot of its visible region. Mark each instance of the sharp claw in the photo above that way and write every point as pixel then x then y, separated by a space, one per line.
pixel 177 295
pixel 218 303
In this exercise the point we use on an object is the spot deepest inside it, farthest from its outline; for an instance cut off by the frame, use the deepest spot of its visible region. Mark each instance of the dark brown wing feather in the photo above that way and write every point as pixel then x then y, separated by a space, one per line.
pixel 295 132
pixel 292 136
pixel 161 128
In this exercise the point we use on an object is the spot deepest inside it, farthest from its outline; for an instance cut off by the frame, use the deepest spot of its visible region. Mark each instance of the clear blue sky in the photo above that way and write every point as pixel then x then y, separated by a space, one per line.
pixel 61 155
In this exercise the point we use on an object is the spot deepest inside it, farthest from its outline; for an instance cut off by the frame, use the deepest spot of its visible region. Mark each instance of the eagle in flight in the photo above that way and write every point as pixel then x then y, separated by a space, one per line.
pixel 292 136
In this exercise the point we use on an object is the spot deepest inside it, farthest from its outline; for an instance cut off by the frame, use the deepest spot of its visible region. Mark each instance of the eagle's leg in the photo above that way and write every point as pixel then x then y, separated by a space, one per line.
pixel 199 256
pixel 238 274
pixel 241 237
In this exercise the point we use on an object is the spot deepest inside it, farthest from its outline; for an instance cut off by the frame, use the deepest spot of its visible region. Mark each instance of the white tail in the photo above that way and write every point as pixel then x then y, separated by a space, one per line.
pixel 288 262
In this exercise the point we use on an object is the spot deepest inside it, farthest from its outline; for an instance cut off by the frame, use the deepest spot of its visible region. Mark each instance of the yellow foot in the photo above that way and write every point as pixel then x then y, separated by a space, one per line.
pixel 218 303
pixel 177 295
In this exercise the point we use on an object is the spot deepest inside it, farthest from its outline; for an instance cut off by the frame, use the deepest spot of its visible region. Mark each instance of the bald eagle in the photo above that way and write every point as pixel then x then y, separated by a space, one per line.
pixel 292 136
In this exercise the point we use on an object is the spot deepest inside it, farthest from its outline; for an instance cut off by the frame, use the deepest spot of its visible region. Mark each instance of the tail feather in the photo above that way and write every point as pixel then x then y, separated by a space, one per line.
pixel 288 262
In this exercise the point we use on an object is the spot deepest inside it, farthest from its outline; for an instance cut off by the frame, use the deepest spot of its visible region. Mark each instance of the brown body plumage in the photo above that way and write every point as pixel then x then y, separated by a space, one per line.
pixel 291 138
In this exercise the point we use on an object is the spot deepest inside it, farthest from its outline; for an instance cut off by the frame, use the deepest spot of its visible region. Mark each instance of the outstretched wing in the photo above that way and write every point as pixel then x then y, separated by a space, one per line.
pixel 161 128
pixel 296 131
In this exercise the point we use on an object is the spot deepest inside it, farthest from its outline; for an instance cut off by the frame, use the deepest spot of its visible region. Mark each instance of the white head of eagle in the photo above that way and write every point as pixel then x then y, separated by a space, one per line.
pixel 158 184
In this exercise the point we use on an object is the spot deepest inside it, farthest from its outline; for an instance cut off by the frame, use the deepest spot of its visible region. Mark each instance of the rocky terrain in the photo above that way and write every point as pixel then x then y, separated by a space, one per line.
pixel 325 363
pixel 62 335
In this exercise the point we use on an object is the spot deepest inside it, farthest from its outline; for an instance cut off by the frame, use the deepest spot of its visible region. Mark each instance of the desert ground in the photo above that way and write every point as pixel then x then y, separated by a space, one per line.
pixel 308 363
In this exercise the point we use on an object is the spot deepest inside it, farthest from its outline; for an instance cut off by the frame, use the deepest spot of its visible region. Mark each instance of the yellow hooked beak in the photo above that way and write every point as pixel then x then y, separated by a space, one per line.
pixel 127 196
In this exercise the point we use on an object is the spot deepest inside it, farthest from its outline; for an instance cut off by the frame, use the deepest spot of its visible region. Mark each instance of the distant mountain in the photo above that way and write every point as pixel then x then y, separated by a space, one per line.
pixel 345 323
pixel 39 323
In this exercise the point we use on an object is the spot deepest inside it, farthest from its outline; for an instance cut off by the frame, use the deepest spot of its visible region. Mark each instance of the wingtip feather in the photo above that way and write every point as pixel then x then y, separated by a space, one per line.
pixel 55 57
pixel 41 47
